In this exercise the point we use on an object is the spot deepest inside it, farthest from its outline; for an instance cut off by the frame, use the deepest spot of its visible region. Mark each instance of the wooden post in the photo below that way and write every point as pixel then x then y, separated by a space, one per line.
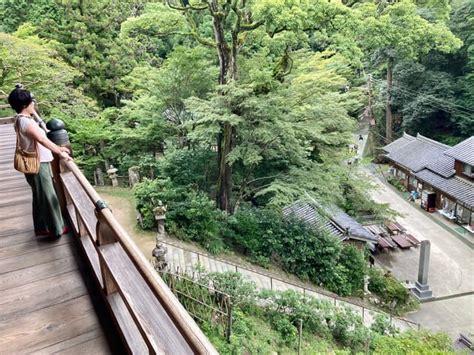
pixel 300 334
pixel 388 106
pixel 58 135
pixel 229 319
pixel 105 235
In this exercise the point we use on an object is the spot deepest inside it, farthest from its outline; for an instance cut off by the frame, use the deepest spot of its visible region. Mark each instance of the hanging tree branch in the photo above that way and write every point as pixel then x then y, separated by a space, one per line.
pixel 194 29
pixel 187 7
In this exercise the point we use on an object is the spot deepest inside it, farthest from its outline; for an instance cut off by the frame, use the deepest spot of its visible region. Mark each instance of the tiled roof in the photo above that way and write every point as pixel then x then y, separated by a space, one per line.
pixel 417 153
pixel 443 166
pixel 346 222
pixel 463 151
pixel 400 142
pixel 332 220
pixel 458 188
pixel 305 212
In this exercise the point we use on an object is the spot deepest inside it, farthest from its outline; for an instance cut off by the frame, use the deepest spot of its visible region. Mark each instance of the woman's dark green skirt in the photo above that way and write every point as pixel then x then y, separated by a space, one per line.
pixel 46 211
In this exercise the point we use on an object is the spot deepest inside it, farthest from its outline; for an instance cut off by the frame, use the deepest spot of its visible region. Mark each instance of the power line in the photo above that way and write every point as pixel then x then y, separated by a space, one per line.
pixel 408 91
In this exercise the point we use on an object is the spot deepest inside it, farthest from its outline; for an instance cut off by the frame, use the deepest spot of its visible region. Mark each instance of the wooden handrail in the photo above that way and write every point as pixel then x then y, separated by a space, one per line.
pixel 179 316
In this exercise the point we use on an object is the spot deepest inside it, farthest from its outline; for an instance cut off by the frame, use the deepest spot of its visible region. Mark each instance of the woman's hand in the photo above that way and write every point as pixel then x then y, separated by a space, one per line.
pixel 64 156
pixel 65 150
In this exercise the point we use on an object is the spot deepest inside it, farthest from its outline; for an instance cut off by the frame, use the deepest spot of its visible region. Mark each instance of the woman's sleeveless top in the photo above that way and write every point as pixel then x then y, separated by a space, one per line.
pixel 27 143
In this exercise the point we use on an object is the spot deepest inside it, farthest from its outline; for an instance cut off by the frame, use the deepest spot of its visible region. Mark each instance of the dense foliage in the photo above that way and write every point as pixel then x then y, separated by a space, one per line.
pixel 266 92
pixel 234 109
pixel 268 320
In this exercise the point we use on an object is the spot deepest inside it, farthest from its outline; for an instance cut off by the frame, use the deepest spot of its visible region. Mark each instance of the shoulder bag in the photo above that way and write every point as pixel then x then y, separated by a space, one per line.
pixel 26 162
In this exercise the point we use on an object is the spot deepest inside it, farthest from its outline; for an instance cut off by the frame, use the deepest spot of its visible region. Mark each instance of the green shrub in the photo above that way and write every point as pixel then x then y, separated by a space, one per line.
pixel 413 342
pixel 383 326
pixel 190 215
pixel 349 330
pixel 243 292
pixel 266 236
pixel 296 306
pixel 257 232
pixel 390 291
pixel 397 183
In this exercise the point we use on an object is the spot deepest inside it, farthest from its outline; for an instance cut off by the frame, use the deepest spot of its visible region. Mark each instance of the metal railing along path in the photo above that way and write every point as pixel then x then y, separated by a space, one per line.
pixel 272 282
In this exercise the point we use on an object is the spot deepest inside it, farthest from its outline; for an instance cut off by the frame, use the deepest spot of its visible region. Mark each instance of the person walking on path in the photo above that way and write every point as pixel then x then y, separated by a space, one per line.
pixel 47 218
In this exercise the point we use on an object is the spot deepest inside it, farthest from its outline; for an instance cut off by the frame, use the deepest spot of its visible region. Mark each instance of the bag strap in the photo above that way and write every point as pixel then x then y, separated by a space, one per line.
pixel 17 130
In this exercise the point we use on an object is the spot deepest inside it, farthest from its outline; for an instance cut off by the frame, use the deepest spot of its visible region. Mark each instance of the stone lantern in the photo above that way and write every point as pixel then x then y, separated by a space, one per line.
pixel 133 175
pixel 160 217
pixel 159 252
pixel 112 173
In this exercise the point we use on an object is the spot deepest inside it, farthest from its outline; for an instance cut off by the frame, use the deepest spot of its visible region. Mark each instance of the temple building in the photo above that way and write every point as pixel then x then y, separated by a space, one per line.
pixel 442 175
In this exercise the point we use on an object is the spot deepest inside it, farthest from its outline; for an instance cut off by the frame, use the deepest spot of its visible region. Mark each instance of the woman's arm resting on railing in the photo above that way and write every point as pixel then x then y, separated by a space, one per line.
pixel 35 134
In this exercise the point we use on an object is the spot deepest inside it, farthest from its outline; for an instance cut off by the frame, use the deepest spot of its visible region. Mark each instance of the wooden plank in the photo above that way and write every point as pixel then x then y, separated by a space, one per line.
pixel 401 241
pixel 92 342
pixel 412 239
pixel 18 301
pixel 6 120
pixel 32 245
pixel 72 217
pixel 94 346
pixel 37 272
pixel 154 323
pixel 14 199
pixel 36 257
pixel 18 210
pixel 5 173
pixel 15 225
pixel 15 184
pixel 48 326
pixel 12 179
pixel 92 257
pixel 130 332
pixel 18 237
pixel 82 202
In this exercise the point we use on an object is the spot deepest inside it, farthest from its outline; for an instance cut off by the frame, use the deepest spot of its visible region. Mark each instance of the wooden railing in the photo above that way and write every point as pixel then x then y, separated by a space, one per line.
pixel 148 315
pixel 3 98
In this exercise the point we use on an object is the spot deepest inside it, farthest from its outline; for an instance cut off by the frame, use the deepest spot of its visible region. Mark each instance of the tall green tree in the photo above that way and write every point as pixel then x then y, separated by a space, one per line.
pixel 41 70
pixel 235 31
pixel 87 37
pixel 397 32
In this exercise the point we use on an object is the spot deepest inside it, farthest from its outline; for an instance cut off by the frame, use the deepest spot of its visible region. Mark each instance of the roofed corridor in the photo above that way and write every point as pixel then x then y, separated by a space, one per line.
pixel 44 302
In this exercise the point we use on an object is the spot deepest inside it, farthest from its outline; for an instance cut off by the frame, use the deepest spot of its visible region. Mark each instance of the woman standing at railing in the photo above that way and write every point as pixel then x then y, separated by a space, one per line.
pixel 47 218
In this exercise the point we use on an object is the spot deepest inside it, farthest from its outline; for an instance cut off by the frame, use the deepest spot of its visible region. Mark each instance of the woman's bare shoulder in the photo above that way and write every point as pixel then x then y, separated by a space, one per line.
pixel 23 122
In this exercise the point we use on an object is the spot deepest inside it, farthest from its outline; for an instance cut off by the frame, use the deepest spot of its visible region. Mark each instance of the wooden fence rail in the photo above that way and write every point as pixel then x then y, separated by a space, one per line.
pixel 148 315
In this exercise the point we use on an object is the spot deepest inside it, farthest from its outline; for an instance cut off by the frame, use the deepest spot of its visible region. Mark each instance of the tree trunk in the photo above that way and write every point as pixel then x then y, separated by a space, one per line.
pixel 224 182
pixel 225 137
pixel 388 108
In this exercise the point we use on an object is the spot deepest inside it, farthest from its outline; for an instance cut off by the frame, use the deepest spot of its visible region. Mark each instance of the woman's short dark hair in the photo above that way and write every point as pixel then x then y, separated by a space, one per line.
pixel 19 99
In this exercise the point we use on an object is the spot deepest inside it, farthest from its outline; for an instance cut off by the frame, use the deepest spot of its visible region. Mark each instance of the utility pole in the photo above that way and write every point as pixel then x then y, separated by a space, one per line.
pixel 388 108
pixel 370 103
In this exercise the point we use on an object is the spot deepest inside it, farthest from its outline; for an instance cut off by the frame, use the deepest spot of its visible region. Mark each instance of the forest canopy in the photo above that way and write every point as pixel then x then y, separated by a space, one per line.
pixel 250 102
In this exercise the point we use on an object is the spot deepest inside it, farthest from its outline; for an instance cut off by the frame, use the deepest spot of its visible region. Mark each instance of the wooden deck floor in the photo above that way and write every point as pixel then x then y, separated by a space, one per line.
pixel 44 302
